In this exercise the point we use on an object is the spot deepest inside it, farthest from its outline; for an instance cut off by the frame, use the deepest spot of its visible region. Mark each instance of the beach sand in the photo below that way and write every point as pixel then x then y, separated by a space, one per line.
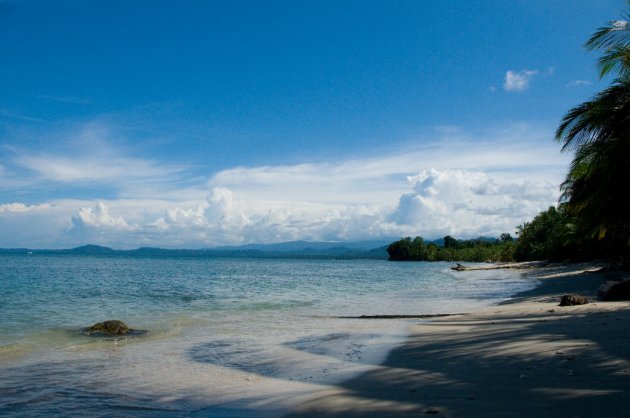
pixel 528 357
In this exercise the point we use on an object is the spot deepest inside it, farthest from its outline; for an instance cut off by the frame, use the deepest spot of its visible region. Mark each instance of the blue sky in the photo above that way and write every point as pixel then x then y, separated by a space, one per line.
pixel 194 124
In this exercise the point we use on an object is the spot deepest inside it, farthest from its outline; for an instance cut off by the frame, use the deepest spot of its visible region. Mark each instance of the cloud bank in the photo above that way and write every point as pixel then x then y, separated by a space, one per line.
pixel 429 191
pixel 460 185
pixel 463 203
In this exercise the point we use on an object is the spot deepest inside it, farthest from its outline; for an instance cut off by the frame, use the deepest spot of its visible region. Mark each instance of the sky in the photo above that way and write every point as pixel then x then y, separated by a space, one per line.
pixel 207 123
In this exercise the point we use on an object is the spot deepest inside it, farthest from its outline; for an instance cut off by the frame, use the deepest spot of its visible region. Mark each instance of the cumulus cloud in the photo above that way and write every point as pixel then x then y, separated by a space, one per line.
pixel 432 203
pixel 217 211
pixel 217 220
pixel 97 225
pixel 34 226
pixel 518 80
pixel 220 205
pixel 462 202
pixel 98 217
pixel 501 180
pixel 184 216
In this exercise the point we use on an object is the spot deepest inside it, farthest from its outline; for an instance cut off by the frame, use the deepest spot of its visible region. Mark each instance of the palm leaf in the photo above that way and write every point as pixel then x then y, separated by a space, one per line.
pixel 614 40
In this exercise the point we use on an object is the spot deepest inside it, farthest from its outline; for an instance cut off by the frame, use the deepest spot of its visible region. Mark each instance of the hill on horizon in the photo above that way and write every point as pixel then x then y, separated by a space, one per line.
pixel 307 249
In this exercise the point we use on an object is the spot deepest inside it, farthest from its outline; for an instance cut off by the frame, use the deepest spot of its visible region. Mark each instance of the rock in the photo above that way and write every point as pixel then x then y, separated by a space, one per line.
pixel 614 290
pixel 573 299
pixel 113 328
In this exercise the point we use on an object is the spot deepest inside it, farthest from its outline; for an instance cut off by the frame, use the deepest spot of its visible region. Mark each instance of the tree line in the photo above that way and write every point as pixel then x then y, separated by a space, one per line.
pixel 551 235
pixel 480 249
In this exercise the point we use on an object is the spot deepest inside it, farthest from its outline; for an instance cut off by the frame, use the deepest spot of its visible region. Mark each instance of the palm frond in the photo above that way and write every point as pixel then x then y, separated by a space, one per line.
pixel 615 60
pixel 614 40
pixel 604 117
pixel 616 34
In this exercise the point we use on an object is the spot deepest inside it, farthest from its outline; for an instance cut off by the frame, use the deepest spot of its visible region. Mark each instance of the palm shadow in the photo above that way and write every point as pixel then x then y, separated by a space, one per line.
pixel 489 369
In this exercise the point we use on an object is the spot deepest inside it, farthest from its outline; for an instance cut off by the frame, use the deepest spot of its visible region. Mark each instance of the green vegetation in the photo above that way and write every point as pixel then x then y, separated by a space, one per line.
pixel 596 192
pixel 549 236
pixel 480 249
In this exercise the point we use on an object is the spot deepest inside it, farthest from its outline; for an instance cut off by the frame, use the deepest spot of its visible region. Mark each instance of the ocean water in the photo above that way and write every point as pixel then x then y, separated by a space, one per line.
pixel 226 337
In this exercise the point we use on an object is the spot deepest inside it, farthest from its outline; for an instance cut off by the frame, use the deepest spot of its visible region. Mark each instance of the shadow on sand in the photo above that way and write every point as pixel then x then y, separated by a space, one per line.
pixel 557 362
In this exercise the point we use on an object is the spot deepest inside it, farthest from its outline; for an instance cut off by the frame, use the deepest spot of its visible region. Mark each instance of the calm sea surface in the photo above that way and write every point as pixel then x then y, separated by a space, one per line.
pixel 222 332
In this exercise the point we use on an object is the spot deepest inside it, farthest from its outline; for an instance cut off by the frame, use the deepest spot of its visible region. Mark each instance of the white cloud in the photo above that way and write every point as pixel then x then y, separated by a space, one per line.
pixel 98 217
pixel 18 207
pixel 578 83
pixel 88 156
pixel 33 226
pixel 462 203
pixel 91 168
pixel 517 152
pixel 220 205
pixel 461 185
pixel 184 216
pixel 518 81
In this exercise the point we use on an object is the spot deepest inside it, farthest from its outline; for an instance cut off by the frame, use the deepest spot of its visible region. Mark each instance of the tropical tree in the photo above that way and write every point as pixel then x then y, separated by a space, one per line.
pixel 547 237
pixel 597 187
pixel 614 39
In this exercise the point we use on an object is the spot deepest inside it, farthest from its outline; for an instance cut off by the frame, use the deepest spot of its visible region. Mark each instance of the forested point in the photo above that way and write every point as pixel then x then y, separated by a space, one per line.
pixel 417 249
pixel 551 235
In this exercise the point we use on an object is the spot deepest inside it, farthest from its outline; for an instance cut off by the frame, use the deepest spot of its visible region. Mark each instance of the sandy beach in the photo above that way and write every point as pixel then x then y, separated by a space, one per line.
pixel 528 357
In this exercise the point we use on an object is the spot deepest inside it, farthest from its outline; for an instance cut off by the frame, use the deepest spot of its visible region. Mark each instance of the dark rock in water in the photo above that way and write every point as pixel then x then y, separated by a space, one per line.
pixel 113 328
pixel 573 299
pixel 617 290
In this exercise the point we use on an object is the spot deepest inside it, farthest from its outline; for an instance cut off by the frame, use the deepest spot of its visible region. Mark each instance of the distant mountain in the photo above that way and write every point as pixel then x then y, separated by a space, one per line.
pixel 296 249
pixel 311 249
pixel 91 250
pixel 309 246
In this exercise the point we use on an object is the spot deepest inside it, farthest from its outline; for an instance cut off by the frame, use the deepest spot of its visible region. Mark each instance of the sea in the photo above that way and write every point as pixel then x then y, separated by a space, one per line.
pixel 224 336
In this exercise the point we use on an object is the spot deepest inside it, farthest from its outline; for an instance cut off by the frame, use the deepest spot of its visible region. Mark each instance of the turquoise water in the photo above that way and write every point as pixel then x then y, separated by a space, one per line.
pixel 220 330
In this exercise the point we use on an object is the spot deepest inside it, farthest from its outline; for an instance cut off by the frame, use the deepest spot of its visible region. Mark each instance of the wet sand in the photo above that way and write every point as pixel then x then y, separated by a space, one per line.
pixel 528 357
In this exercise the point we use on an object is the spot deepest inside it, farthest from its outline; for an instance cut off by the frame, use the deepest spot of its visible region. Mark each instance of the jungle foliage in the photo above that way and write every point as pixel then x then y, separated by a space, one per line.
pixel 596 192
pixel 474 250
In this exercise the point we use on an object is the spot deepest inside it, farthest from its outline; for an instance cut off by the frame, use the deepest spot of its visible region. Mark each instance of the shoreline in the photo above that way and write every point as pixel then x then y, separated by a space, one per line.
pixel 374 365
pixel 524 357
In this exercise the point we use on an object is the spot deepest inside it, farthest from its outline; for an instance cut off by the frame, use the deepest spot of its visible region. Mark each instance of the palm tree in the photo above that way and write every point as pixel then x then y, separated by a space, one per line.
pixel 597 188
pixel 614 39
